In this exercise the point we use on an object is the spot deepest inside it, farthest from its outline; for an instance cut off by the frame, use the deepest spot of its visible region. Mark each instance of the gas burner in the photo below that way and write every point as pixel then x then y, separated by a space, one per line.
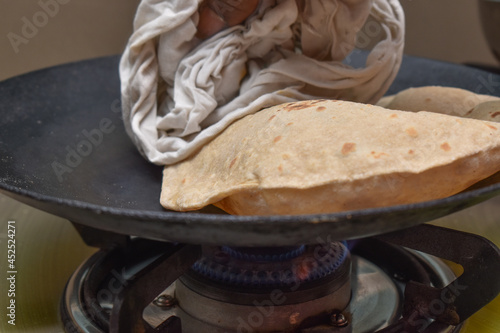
pixel 263 293
pixel 368 285
pixel 271 267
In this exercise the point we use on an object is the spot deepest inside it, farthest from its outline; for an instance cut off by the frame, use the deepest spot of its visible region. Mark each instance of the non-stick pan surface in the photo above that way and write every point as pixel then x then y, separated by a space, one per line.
pixel 63 149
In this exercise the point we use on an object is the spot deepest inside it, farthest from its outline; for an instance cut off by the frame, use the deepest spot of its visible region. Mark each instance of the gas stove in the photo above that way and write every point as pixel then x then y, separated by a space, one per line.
pixel 386 283
pixel 41 282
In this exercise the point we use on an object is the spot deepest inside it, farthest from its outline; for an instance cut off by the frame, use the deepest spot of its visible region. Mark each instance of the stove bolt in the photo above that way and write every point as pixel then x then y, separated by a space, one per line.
pixel 338 319
pixel 165 301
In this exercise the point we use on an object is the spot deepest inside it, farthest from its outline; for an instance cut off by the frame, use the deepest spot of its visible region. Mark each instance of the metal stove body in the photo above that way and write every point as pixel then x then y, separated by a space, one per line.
pixel 378 284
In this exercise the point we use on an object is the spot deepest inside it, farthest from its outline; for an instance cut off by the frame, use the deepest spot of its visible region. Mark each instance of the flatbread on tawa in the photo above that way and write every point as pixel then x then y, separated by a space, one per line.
pixel 486 111
pixel 446 100
pixel 329 156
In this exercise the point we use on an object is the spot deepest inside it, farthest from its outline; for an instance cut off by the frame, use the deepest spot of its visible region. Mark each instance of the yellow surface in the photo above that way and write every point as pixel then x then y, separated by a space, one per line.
pixel 484 220
pixel 48 250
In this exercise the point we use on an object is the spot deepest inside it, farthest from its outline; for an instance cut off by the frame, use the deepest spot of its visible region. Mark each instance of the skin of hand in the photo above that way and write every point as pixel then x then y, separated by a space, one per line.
pixel 216 15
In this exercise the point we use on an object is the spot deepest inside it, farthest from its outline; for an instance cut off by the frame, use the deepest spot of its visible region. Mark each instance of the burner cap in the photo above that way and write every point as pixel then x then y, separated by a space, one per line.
pixel 264 253
pixel 270 267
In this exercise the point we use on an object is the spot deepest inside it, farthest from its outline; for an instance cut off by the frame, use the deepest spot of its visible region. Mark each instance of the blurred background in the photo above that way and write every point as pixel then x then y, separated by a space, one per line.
pixel 446 30
pixel 48 249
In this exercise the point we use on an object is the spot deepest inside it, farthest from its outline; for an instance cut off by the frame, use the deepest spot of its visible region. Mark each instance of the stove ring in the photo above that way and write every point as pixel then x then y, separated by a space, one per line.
pixel 245 267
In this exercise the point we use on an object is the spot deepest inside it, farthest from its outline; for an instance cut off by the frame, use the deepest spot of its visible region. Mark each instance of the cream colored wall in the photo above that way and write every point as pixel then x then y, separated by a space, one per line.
pixel 88 28
pixel 80 29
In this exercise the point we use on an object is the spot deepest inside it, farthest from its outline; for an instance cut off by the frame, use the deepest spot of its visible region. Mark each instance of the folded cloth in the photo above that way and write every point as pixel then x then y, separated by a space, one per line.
pixel 179 92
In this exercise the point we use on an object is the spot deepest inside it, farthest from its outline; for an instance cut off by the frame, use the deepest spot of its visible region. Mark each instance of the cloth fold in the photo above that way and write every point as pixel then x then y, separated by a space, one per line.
pixel 179 92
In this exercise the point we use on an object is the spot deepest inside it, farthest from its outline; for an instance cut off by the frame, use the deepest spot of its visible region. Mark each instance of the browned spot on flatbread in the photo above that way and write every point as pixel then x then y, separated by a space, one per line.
pixel 378 155
pixel 492 127
pixel 316 101
pixel 393 115
pixel 232 162
pixel 278 138
pixel 411 131
pixel 320 108
pixel 184 181
pixel 495 114
pixel 300 105
pixel 286 156
pixel 289 124
pixel 469 112
pixel 280 168
pixel 295 106
pixel 445 146
pixel 411 152
pixel 272 117
pixel 348 147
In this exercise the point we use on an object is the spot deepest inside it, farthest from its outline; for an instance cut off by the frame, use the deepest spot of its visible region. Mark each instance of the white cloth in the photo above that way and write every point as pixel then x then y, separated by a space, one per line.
pixel 179 92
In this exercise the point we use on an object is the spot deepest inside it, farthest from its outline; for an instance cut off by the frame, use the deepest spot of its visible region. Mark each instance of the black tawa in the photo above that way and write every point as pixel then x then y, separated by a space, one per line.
pixel 63 149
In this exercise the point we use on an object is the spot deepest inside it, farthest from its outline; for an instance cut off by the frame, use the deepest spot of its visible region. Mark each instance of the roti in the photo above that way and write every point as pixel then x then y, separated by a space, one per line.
pixel 325 156
pixel 446 100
